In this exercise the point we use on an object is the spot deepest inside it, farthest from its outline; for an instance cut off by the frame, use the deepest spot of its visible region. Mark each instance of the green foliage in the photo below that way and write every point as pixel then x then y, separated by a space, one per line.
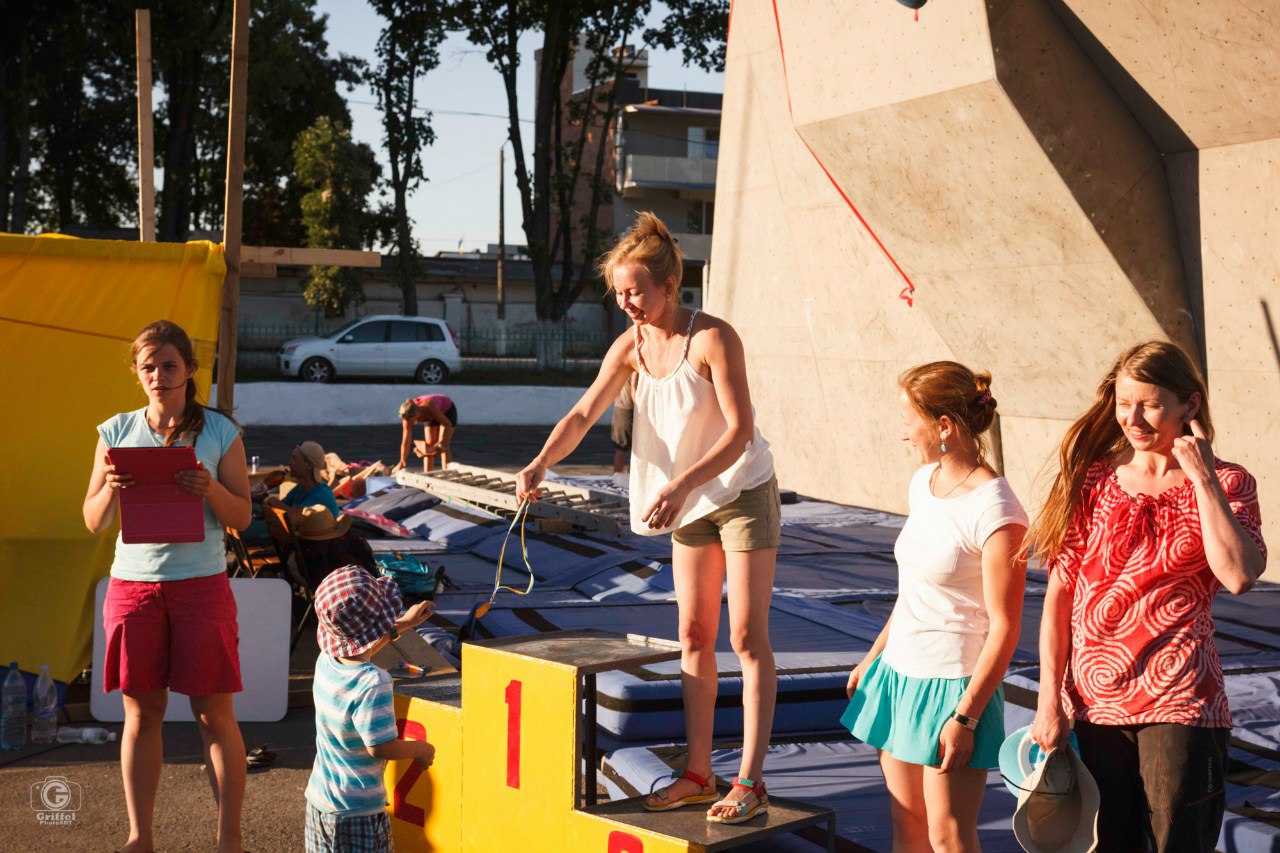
pixel 68 129
pixel 336 176
pixel 570 137
pixel 408 47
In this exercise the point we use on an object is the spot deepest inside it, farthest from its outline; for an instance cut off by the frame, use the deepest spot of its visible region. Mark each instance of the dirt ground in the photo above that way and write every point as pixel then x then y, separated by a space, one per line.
pixel 274 806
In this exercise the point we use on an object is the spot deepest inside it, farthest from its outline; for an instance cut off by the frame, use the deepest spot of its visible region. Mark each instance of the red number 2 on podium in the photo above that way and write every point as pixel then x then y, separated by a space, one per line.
pixel 513 734
pixel 400 807
pixel 624 842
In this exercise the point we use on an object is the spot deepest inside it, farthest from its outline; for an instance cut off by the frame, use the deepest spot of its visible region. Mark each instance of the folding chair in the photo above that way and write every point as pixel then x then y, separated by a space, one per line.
pixel 250 559
pixel 298 576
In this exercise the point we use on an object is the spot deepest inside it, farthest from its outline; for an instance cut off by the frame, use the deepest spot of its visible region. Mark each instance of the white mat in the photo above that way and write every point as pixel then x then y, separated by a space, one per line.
pixel 264 608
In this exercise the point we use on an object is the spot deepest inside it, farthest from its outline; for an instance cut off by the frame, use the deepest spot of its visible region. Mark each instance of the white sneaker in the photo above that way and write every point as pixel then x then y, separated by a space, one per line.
pixel 621 479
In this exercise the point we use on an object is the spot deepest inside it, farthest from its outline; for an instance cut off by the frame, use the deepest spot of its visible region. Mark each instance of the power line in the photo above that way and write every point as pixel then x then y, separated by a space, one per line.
pixel 426 110
pixel 431 184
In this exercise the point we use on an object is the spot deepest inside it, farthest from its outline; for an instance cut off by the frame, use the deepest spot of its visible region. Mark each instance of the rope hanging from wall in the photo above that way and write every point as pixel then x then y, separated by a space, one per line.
pixel 906 294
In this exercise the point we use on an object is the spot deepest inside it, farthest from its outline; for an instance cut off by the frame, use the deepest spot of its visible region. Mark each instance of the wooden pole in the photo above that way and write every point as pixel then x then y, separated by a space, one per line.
pixel 233 206
pixel 146 137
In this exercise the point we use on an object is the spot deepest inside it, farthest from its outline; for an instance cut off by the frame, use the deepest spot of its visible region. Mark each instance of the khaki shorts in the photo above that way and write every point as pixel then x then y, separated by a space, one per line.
pixel 750 523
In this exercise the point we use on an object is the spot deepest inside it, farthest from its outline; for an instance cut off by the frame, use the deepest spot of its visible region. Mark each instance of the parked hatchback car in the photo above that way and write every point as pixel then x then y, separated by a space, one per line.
pixel 423 348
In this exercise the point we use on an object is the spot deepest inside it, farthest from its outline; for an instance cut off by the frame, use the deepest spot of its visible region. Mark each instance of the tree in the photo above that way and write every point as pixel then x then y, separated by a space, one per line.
pixel 408 47
pixel 67 112
pixel 337 176
pixel 65 129
pixel 548 181
pixel 292 82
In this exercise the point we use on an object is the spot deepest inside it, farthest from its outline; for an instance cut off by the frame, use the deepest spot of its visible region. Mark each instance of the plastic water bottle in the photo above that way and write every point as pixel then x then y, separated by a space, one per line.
pixel 44 721
pixel 13 712
pixel 89 734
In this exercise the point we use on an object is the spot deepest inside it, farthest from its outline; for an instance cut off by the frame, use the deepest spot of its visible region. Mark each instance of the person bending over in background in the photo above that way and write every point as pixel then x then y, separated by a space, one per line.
pixel 441 418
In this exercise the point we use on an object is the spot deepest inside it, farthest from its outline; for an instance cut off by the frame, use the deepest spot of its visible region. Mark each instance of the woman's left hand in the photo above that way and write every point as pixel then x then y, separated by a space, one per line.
pixel 955 746
pixel 666 507
pixel 1195 455
pixel 195 480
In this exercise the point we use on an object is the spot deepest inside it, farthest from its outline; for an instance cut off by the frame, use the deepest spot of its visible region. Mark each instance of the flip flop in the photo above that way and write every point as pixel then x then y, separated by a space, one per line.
pixel 260 756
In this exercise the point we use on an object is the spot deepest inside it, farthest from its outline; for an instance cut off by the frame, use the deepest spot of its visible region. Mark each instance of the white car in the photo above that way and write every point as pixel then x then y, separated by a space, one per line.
pixel 381 345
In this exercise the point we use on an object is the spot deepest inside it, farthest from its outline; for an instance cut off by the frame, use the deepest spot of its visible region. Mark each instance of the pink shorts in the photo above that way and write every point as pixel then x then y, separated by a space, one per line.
pixel 181 635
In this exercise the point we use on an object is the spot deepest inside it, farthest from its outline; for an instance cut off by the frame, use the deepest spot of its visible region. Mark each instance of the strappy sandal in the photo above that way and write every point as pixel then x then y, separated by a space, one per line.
pixel 709 792
pixel 744 813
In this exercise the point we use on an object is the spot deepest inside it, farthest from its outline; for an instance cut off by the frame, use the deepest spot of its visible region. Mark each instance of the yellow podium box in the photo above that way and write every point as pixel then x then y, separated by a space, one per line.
pixel 516 758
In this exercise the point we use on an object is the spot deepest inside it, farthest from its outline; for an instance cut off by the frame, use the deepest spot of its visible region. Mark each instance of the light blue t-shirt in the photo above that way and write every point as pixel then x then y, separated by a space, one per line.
pixel 320 493
pixel 175 560
pixel 354 710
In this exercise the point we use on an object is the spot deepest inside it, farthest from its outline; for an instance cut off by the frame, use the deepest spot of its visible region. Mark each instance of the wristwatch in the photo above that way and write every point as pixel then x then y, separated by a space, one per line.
pixel 969 723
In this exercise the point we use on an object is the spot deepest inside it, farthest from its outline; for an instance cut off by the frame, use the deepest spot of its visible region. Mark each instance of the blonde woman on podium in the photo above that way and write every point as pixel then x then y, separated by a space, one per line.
pixel 701 471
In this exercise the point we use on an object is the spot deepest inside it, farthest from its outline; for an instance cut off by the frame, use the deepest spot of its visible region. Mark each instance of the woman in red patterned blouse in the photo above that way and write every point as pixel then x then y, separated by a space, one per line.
pixel 1141 529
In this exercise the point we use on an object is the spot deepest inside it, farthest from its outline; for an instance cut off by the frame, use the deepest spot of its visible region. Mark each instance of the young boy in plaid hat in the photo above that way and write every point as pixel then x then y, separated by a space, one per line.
pixel 355 720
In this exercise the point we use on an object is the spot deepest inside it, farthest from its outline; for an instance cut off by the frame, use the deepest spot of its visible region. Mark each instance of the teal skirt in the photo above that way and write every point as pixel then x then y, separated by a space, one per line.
pixel 904 716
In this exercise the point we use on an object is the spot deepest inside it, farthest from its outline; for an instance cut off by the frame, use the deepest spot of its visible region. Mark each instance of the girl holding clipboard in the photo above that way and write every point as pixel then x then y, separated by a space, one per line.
pixel 169 614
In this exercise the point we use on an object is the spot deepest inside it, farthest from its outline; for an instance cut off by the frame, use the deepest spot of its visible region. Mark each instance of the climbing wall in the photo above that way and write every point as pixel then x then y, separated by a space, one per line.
pixel 1027 187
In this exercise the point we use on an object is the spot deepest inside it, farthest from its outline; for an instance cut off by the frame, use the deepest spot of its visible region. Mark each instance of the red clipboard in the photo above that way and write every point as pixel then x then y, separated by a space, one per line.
pixel 155 509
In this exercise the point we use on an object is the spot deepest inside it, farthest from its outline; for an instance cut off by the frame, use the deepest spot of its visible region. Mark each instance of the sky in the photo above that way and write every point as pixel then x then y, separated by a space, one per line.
pixel 458 204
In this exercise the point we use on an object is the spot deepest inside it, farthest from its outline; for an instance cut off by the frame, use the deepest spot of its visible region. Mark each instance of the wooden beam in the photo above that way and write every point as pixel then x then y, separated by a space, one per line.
pixel 310 257
pixel 253 269
pixel 146 136
pixel 233 207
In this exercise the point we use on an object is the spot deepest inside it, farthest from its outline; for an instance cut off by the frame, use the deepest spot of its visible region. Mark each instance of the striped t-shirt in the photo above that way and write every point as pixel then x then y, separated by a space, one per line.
pixel 354 710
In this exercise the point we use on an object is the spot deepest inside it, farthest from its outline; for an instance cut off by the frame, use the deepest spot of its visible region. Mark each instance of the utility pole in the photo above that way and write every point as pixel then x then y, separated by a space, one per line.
pixel 502 231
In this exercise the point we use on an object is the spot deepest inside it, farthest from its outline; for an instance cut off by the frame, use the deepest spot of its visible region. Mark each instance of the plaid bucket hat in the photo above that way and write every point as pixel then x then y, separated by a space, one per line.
pixel 355 610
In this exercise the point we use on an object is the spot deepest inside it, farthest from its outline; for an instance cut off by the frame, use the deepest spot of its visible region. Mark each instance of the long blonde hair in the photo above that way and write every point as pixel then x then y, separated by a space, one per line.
pixel 1097 434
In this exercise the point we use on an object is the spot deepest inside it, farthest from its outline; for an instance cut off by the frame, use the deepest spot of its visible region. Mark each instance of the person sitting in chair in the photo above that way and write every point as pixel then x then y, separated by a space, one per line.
pixel 307 469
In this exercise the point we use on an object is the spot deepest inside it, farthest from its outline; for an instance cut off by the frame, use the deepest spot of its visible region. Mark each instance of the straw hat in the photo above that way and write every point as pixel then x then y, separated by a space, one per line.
pixel 1058 807
pixel 318 523
pixel 355 610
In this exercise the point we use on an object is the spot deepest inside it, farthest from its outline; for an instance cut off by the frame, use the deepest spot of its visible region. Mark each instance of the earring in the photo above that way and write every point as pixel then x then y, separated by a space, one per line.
pixel 944 447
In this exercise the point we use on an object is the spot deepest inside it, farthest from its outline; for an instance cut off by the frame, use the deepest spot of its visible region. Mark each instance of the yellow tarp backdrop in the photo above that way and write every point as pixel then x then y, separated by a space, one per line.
pixel 69 309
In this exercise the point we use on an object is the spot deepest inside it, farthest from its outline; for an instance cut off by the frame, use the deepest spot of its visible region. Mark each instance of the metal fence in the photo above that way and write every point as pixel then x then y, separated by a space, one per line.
pixel 569 347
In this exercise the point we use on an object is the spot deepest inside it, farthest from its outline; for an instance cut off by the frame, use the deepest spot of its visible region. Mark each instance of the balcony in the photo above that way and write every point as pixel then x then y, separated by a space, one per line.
pixel 696 246
pixel 644 170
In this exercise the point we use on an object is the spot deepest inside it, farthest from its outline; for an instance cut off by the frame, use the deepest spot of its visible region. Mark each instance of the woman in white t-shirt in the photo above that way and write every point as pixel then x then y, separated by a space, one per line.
pixel 927 695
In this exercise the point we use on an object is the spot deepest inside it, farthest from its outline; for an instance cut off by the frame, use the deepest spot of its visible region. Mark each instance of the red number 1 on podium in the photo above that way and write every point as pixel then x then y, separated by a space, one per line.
pixel 513 734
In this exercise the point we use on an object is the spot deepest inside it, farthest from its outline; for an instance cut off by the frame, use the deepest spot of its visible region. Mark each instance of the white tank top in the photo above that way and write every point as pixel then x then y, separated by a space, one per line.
pixel 677 420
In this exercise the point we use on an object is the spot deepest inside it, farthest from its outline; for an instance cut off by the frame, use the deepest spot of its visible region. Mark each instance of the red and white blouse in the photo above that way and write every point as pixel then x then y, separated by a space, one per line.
pixel 1141 629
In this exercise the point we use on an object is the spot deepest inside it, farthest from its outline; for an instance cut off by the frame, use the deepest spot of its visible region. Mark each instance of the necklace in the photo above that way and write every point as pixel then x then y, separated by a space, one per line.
pixel 666 355
pixel 938 470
